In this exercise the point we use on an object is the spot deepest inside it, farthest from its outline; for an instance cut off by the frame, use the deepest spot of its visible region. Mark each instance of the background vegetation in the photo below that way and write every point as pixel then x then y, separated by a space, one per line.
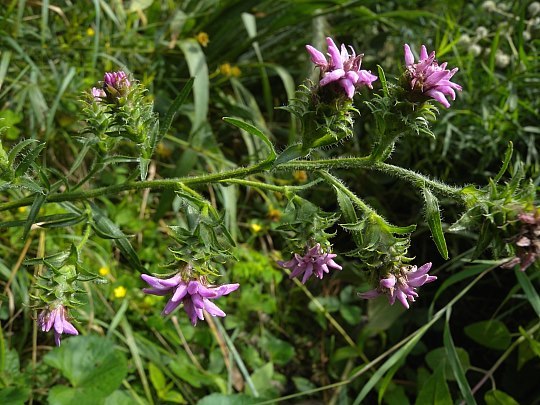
pixel 280 340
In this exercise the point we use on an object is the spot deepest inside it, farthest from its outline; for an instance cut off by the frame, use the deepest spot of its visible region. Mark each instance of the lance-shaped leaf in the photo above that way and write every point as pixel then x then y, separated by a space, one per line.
pixel 34 211
pixel 104 226
pixel 251 129
pixel 433 219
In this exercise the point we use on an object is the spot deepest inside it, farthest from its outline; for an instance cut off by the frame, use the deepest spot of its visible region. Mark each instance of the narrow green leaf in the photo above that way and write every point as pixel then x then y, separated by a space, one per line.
pixel 346 206
pixel 433 219
pixel 18 148
pixel 28 159
pixel 453 359
pixel 104 226
pixel 382 78
pixel 165 124
pixel 290 153
pixel 253 131
pixel 61 89
pixel 506 161
pixel 34 211
pixel 530 291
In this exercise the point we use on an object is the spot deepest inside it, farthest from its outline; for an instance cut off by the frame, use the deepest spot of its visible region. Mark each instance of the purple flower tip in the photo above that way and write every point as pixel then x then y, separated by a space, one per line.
pixel 117 80
pixel 194 294
pixel 56 318
pixel 98 94
pixel 342 68
pixel 402 286
pixel 429 78
pixel 315 262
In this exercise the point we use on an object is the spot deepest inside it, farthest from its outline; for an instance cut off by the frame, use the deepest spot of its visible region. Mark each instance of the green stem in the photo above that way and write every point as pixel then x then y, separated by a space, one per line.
pixel 340 186
pixel 271 187
pixel 417 179
pixel 171 184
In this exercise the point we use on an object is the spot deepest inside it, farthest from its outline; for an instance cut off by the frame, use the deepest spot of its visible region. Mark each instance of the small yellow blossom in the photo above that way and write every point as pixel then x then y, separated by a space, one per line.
pixel 202 38
pixel 90 32
pixel 235 71
pixel 255 227
pixel 274 214
pixel 230 71
pixel 163 150
pixel 103 271
pixel 120 292
pixel 22 209
pixel 300 176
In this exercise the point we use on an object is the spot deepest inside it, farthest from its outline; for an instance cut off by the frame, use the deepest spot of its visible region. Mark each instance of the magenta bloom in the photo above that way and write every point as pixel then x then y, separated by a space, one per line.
pixel 57 318
pixel 116 80
pixel 343 68
pixel 98 94
pixel 315 261
pixel 429 78
pixel 402 287
pixel 193 294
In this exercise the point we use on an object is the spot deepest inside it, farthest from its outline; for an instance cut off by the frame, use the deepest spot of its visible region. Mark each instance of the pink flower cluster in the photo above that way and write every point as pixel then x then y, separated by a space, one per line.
pixel 114 83
pixel 429 78
pixel 403 287
pixel 49 318
pixel 194 294
pixel 342 68
pixel 315 261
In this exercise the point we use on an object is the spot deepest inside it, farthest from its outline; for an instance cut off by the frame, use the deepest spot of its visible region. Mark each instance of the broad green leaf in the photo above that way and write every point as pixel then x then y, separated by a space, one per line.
pixel 62 395
pixel 156 377
pixel 433 219
pixel 222 399
pixel 173 396
pixel 492 333
pixel 496 397
pixel 261 379
pixel 440 356
pixel 119 397
pixel 279 351
pixel 90 362
pixel 14 395
pixel 435 389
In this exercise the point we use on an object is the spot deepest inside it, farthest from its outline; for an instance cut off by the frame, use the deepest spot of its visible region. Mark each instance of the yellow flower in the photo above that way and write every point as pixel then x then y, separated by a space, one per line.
pixel 202 38
pixel 120 292
pixel 22 209
pixel 90 32
pixel 163 150
pixel 235 71
pixel 230 71
pixel 274 214
pixel 103 271
pixel 300 176
pixel 256 227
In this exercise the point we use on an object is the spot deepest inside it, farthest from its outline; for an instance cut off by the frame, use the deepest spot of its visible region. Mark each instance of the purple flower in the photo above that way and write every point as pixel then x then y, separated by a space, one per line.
pixel 527 242
pixel 116 80
pixel 98 94
pixel 193 294
pixel 315 261
pixel 57 318
pixel 428 78
pixel 403 287
pixel 343 68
